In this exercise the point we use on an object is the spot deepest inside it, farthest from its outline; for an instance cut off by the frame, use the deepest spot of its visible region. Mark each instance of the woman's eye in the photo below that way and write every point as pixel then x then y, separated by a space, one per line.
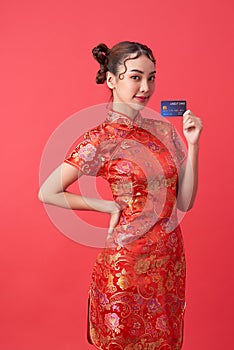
pixel 135 77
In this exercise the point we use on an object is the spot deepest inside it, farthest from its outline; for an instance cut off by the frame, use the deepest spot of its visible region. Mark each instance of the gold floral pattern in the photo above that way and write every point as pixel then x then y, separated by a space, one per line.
pixel 124 282
pixel 141 266
pixel 137 292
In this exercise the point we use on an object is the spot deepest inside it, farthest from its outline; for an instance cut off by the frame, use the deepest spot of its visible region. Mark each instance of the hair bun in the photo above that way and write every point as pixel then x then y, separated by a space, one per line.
pixel 100 53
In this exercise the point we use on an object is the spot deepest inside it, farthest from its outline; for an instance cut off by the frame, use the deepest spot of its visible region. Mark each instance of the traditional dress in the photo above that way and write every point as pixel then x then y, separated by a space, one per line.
pixel 137 292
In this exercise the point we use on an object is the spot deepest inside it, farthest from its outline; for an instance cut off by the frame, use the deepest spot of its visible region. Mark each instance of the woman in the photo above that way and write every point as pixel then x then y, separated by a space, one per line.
pixel 137 293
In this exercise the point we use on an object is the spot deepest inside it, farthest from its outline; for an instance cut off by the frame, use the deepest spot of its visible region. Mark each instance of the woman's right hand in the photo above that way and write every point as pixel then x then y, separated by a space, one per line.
pixel 115 212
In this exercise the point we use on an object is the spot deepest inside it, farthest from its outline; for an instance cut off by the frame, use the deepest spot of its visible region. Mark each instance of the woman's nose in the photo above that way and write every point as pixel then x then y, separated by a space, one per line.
pixel 144 86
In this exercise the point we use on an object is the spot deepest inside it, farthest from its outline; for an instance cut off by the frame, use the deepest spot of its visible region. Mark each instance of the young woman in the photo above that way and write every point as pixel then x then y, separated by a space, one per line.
pixel 137 293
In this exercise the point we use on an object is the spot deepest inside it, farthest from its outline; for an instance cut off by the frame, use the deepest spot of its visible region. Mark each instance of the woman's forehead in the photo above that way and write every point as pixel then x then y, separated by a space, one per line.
pixel 142 63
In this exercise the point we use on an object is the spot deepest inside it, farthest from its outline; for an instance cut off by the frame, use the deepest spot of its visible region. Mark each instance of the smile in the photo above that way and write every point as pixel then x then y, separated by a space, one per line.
pixel 142 98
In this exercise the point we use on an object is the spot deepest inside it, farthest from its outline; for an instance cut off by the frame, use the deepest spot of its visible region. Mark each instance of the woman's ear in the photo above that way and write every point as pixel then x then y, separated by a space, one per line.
pixel 110 80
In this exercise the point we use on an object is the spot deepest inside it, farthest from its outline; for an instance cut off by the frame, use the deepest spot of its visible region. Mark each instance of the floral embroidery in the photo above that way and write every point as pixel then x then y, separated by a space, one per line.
pixel 136 325
pixel 164 223
pixel 124 167
pixel 153 305
pixel 153 146
pixel 172 241
pixel 178 268
pixel 141 266
pixel 124 238
pixel 170 282
pixel 124 282
pixel 116 307
pixel 112 320
pixel 137 295
pixel 103 299
pixel 162 323
pixel 87 152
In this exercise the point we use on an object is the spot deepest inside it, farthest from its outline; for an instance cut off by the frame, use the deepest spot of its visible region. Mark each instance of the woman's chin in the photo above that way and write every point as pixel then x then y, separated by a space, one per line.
pixel 138 106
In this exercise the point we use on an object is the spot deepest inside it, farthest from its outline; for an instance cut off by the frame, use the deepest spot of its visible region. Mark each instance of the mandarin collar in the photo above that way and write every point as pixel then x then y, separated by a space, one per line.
pixel 123 119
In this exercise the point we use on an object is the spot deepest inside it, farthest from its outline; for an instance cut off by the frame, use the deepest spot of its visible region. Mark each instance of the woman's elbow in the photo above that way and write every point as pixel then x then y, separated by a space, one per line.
pixel 44 196
pixel 41 196
pixel 184 207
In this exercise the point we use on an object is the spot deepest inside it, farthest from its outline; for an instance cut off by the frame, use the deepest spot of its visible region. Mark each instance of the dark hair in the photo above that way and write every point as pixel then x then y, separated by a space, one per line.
pixel 110 59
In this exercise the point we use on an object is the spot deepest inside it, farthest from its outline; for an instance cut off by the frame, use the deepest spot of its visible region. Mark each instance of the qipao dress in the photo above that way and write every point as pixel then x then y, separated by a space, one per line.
pixel 137 291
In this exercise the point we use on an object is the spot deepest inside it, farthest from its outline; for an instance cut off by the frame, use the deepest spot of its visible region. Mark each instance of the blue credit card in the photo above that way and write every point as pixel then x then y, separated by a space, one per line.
pixel 173 108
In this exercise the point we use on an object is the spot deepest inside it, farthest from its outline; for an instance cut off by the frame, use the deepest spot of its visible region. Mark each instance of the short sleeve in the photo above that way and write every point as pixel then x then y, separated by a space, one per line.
pixel 179 146
pixel 169 137
pixel 87 156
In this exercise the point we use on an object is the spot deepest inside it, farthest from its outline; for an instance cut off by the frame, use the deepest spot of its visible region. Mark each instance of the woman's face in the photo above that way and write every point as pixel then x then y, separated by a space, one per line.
pixel 134 88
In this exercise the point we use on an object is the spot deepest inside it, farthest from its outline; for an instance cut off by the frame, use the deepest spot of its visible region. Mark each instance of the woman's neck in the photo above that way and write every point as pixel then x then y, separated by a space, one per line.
pixel 124 109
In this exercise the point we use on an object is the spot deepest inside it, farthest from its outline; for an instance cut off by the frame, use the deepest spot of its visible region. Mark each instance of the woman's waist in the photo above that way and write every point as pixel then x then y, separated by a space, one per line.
pixel 147 207
pixel 146 218
pixel 155 240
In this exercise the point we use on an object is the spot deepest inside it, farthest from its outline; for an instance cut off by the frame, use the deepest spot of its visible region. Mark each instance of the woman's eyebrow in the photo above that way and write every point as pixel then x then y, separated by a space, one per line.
pixel 140 71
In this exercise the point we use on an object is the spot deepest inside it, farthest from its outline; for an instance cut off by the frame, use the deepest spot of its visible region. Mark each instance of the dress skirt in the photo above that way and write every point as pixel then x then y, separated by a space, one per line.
pixel 137 294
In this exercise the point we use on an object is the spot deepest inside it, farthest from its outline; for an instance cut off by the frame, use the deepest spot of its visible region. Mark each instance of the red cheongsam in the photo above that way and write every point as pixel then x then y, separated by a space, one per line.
pixel 137 292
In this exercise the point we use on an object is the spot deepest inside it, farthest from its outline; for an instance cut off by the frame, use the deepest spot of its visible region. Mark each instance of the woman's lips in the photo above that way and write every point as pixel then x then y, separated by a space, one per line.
pixel 141 98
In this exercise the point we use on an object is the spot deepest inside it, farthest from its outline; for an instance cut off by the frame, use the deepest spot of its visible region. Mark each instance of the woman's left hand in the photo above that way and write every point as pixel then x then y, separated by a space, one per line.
pixel 192 127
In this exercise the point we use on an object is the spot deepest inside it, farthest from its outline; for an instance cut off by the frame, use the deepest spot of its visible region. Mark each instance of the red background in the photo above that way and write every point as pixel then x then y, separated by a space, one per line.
pixel 47 74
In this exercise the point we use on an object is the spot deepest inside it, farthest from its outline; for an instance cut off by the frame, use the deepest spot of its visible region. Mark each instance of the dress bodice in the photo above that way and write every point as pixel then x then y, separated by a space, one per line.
pixel 140 158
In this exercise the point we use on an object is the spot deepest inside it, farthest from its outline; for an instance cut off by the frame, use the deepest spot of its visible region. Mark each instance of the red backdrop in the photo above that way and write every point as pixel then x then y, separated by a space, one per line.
pixel 47 74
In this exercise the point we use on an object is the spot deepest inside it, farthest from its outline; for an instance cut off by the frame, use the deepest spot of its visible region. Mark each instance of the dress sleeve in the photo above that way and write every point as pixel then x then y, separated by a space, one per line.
pixel 179 146
pixel 87 156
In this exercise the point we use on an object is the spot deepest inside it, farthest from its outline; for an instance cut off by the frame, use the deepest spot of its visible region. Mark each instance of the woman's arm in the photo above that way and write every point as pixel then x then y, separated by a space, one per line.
pixel 188 179
pixel 53 191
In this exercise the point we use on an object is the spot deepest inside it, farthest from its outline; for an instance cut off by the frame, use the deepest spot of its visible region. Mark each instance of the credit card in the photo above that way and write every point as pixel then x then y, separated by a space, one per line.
pixel 173 108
